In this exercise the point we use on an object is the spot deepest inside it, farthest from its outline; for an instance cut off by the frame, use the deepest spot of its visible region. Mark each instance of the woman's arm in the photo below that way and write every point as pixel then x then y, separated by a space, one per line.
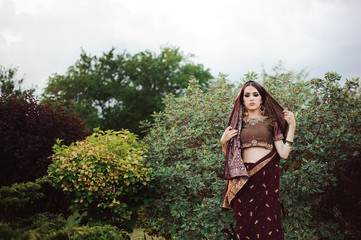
pixel 227 135
pixel 284 148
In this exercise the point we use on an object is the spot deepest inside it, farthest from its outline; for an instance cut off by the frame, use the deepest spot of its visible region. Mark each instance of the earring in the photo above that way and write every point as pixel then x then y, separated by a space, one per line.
pixel 263 110
pixel 245 112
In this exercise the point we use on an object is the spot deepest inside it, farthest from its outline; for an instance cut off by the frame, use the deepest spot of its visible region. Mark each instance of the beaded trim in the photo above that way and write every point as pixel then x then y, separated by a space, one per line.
pixel 255 143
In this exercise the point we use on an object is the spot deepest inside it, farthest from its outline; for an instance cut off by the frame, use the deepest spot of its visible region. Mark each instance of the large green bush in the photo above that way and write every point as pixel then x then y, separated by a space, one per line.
pixel 103 176
pixel 327 141
pixel 187 159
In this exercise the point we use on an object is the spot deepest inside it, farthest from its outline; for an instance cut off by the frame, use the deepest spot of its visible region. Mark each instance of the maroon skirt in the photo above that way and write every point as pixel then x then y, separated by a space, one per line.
pixel 256 203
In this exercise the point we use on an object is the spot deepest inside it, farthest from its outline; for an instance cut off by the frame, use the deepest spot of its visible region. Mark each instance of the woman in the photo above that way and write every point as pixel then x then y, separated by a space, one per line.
pixel 259 132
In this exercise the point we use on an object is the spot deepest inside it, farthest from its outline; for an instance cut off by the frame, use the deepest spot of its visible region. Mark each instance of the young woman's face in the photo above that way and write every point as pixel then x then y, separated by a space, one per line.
pixel 251 98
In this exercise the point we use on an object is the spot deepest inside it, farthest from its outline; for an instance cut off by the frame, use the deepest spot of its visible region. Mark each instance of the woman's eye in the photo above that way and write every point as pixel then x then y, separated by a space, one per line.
pixel 256 94
pixel 247 95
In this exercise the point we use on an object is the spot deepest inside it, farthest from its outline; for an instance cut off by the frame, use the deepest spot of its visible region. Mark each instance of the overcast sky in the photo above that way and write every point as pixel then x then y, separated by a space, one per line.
pixel 43 37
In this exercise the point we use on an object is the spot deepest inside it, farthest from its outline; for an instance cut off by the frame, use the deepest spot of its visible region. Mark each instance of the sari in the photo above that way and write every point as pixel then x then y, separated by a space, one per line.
pixel 252 190
pixel 255 200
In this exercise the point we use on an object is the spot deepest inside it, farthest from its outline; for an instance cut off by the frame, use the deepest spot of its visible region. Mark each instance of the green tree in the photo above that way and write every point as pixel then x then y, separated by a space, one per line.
pixel 117 91
pixel 9 82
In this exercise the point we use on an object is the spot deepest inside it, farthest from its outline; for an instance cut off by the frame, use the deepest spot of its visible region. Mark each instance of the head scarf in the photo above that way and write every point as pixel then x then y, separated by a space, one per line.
pixel 234 166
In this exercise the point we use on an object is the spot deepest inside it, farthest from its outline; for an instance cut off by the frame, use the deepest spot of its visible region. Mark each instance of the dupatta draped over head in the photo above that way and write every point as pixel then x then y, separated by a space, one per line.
pixel 234 166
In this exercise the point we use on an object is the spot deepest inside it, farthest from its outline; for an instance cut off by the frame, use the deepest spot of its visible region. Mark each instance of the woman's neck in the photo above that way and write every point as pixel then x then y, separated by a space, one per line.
pixel 254 114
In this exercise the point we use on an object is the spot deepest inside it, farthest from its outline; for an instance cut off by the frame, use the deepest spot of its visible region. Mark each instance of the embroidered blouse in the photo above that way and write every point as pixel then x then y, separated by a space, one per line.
pixel 260 132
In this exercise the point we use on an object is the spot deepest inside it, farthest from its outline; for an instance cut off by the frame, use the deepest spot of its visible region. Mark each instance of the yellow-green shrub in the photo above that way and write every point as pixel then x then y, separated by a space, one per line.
pixel 103 175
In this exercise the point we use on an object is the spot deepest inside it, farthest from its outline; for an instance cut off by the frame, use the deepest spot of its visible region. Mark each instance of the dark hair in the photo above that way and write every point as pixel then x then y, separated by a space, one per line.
pixel 259 88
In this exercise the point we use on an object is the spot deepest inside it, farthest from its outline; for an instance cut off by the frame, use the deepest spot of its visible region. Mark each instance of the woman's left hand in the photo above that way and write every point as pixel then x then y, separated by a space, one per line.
pixel 290 118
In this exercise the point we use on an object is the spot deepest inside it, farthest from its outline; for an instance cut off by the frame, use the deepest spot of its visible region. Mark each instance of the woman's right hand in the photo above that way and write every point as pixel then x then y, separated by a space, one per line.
pixel 228 134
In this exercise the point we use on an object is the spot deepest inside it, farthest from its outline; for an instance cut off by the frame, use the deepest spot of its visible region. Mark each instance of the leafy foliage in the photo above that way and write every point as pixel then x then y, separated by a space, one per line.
pixel 187 159
pixel 344 199
pixel 14 199
pixel 10 83
pixel 54 227
pixel 327 135
pixel 117 91
pixel 103 175
pixel 21 200
pixel 29 129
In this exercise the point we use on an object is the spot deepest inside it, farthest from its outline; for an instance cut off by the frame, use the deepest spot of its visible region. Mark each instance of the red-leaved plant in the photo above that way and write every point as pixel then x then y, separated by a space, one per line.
pixel 28 130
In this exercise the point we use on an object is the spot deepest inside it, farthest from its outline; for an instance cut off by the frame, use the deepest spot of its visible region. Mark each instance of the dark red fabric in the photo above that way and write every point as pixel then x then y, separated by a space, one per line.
pixel 256 206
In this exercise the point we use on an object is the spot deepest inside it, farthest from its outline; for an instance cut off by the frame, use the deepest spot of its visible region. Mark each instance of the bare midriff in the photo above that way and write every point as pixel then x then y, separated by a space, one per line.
pixel 253 154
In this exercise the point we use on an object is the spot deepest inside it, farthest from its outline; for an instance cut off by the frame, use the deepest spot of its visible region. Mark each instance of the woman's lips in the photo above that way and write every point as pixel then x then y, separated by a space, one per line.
pixel 252 104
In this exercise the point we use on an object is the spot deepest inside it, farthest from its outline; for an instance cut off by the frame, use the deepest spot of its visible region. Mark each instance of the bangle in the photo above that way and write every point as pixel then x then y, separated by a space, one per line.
pixel 288 143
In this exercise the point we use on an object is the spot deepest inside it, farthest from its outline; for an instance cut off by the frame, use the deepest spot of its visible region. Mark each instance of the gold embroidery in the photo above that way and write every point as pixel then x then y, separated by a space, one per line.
pixel 268 219
pixel 256 222
pixel 266 192
pixel 251 213
pixel 240 214
pixel 254 121
pixel 251 186
pixel 251 200
pixel 257 235
pixel 234 185
pixel 267 205
pixel 256 143
pixel 270 233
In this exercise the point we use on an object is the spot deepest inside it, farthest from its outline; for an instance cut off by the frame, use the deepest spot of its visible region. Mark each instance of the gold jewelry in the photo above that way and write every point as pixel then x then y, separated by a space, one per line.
pixel 288 143
pixel 245 112
pixel 263 110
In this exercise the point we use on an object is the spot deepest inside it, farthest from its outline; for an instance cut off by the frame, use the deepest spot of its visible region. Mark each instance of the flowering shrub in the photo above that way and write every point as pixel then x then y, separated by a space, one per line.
pixel 103 175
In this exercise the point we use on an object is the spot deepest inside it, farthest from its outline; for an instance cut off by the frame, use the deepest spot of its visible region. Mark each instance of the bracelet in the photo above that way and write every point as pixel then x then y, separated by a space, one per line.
pixel 288 143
